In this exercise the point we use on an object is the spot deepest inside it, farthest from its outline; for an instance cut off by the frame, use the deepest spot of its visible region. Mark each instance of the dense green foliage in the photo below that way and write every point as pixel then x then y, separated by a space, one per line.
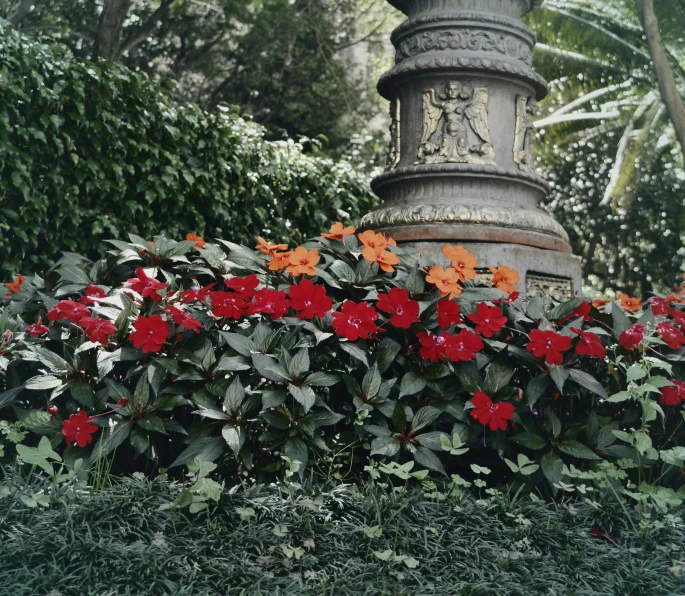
pixel 89 151
pixel 224 361
pixel 266 541
pixel 608 145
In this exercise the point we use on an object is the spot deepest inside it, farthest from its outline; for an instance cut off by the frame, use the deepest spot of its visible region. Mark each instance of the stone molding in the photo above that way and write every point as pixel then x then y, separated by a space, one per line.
pixel 459 168
pixel 475 40
pixel 518 8
pixel 484 215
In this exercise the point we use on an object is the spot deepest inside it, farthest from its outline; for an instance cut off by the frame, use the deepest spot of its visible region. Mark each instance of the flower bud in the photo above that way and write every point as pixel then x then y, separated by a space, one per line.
pixel 53 410
pixel 123 402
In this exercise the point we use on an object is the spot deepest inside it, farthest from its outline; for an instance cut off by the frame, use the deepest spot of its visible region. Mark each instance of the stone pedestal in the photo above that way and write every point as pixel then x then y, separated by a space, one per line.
pixel 460 166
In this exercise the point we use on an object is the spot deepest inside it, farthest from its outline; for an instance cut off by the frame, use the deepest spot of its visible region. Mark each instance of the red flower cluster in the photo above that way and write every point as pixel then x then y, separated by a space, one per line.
pixel 79 429
pixel 230 305
pixel 147 287
pixel 243 285
pixel 97 329
pixel 589 344
pixel 188 296
pixel 548 344
pixel 488 320
pixel 354 320
pixel 582 311
pixel 269 302
pixel 68 310
pixel 404 310
pixel 93 295
pixel 37 329
pixel 632 338
pixel 673 336
pixel 149 333
pixel 673 395
pixel 448 313
pixel 457 348
pixel 309 300
pixel 183 319
pixel 660 306
pixel 491 414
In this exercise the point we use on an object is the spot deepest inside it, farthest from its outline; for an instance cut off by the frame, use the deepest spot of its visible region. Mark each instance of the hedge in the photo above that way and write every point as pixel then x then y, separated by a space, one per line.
pixel 91 151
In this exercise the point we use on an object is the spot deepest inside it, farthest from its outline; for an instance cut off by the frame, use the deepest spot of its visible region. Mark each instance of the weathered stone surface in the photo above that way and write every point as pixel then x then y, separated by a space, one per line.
pixel 460 166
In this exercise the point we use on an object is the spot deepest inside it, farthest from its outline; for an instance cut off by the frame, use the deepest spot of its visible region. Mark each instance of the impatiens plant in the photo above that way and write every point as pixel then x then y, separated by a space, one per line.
pixel 181 351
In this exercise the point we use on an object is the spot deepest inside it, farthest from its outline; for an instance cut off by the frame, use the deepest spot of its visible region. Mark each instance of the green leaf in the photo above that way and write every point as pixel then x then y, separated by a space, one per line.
pixel 588 381
pixel 425 416
pixel 371 383
pixel 304 395
pixel 561 311
pixel 384 446
pixel 42 382
pixel 355 351
pixel 427 458
pixel 202 449
pixel 385 354
pixel 467 373
pixel 635 372
pixel 234 396
pixel 619 397
pixel 270 369
pixel 577 449
pixel 552 466
pixel 529 440
pixel 559 375
pixel 322 379
pixel 620 321
pixel 497 376
pixel 412 383
pixel 415 283
pixel 299 364
pixel 233 363
pixel 241 344
pixel 296 449
pixel 234 436
pixel 536 389
pixel 110 438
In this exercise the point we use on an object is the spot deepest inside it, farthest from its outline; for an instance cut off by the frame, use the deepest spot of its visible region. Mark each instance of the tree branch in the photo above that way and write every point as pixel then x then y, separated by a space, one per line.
pixel 22 10
pixel 667 85
pixel 147 29
pixel 108 37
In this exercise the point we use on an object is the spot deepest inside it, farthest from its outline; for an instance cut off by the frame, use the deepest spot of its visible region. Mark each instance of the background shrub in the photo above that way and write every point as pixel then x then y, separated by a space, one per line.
pixel 90 151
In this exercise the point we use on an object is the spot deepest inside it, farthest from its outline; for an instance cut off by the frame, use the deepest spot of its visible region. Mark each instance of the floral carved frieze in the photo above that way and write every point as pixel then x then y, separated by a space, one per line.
pixel 471 40
pixel 560 289
pixel 523 219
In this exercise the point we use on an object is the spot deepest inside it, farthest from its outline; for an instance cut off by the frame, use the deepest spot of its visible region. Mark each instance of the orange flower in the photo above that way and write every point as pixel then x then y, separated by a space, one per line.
pixel 446 280
pixel 463 262
pixel 373 240
pixel 628 303
pixel 337 231
pixel 150 243
pixel 199 241
pixel 302 261
pixel 14 286
pixel 505 278
pixel 269 249
pixel 384 258
pixel 673 297
pixel 600 302
pixel 280 260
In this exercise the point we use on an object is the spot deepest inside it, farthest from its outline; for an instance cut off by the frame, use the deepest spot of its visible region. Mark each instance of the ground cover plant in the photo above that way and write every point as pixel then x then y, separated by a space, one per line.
pixel 331 540
pixel 340 354
pixel 90 151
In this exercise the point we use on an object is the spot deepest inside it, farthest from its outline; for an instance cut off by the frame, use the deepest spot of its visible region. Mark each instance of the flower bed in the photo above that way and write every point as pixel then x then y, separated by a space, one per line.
pixel 341 352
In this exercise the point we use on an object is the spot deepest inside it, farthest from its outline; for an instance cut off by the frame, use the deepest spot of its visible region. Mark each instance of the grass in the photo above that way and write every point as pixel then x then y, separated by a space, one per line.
pixel 116 541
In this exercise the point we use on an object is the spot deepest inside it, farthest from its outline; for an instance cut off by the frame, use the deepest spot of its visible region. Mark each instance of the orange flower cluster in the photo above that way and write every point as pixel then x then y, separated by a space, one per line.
pixel 376 250
pixel 14 286
pixel 337 232
pixel 446 280
pixel 628 303
pixel 199 241
pixel 462 261
pixel 504 278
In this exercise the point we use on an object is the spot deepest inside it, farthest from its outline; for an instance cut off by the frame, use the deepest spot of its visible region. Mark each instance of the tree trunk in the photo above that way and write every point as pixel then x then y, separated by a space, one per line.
pixel 667 85
pixel 108 37
pixel 22 10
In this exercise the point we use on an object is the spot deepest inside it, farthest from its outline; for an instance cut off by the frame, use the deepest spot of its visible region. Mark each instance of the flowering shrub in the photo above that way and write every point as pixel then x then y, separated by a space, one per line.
pixel 176 351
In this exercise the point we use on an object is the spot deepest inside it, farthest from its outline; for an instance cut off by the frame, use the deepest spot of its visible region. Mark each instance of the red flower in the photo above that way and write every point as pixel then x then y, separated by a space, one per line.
pixel 37 329
pixel 491 414
pixel 193 294
pixel 589 344
pixel 93 294
pixel 631 338
pixel 673 336
pixel 397 302
pixel 464 347
pixel 513 297
pixel 183 319
pixel 244 285
pixel 434 347
pixel 228 304
pixel 660 306
pixel 582 311
pixel 79 429
pixel 678 316
pixel 488 320
pixel 448 313
pixel 309 299
pixel 673 394
pixel 270 302
pixel 548 344
pixel 146 286
pixel 354 320
pixel 69 310
pixel 53 410
pixel 149 333
pixel 97 329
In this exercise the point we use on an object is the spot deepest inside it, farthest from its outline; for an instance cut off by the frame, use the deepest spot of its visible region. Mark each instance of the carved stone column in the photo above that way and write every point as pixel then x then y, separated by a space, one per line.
pixel 460 166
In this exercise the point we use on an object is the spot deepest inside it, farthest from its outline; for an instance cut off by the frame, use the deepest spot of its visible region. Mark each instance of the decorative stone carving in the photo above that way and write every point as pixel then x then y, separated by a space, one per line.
pixel 464 136
pixel 522 219
pixel 473 40
pixel 393 157
pixel 560 289
pixel 525 133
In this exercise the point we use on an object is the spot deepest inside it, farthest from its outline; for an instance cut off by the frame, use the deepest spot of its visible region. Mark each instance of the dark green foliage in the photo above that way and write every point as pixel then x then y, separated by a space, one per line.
pixel 117 542
pixel 91 151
